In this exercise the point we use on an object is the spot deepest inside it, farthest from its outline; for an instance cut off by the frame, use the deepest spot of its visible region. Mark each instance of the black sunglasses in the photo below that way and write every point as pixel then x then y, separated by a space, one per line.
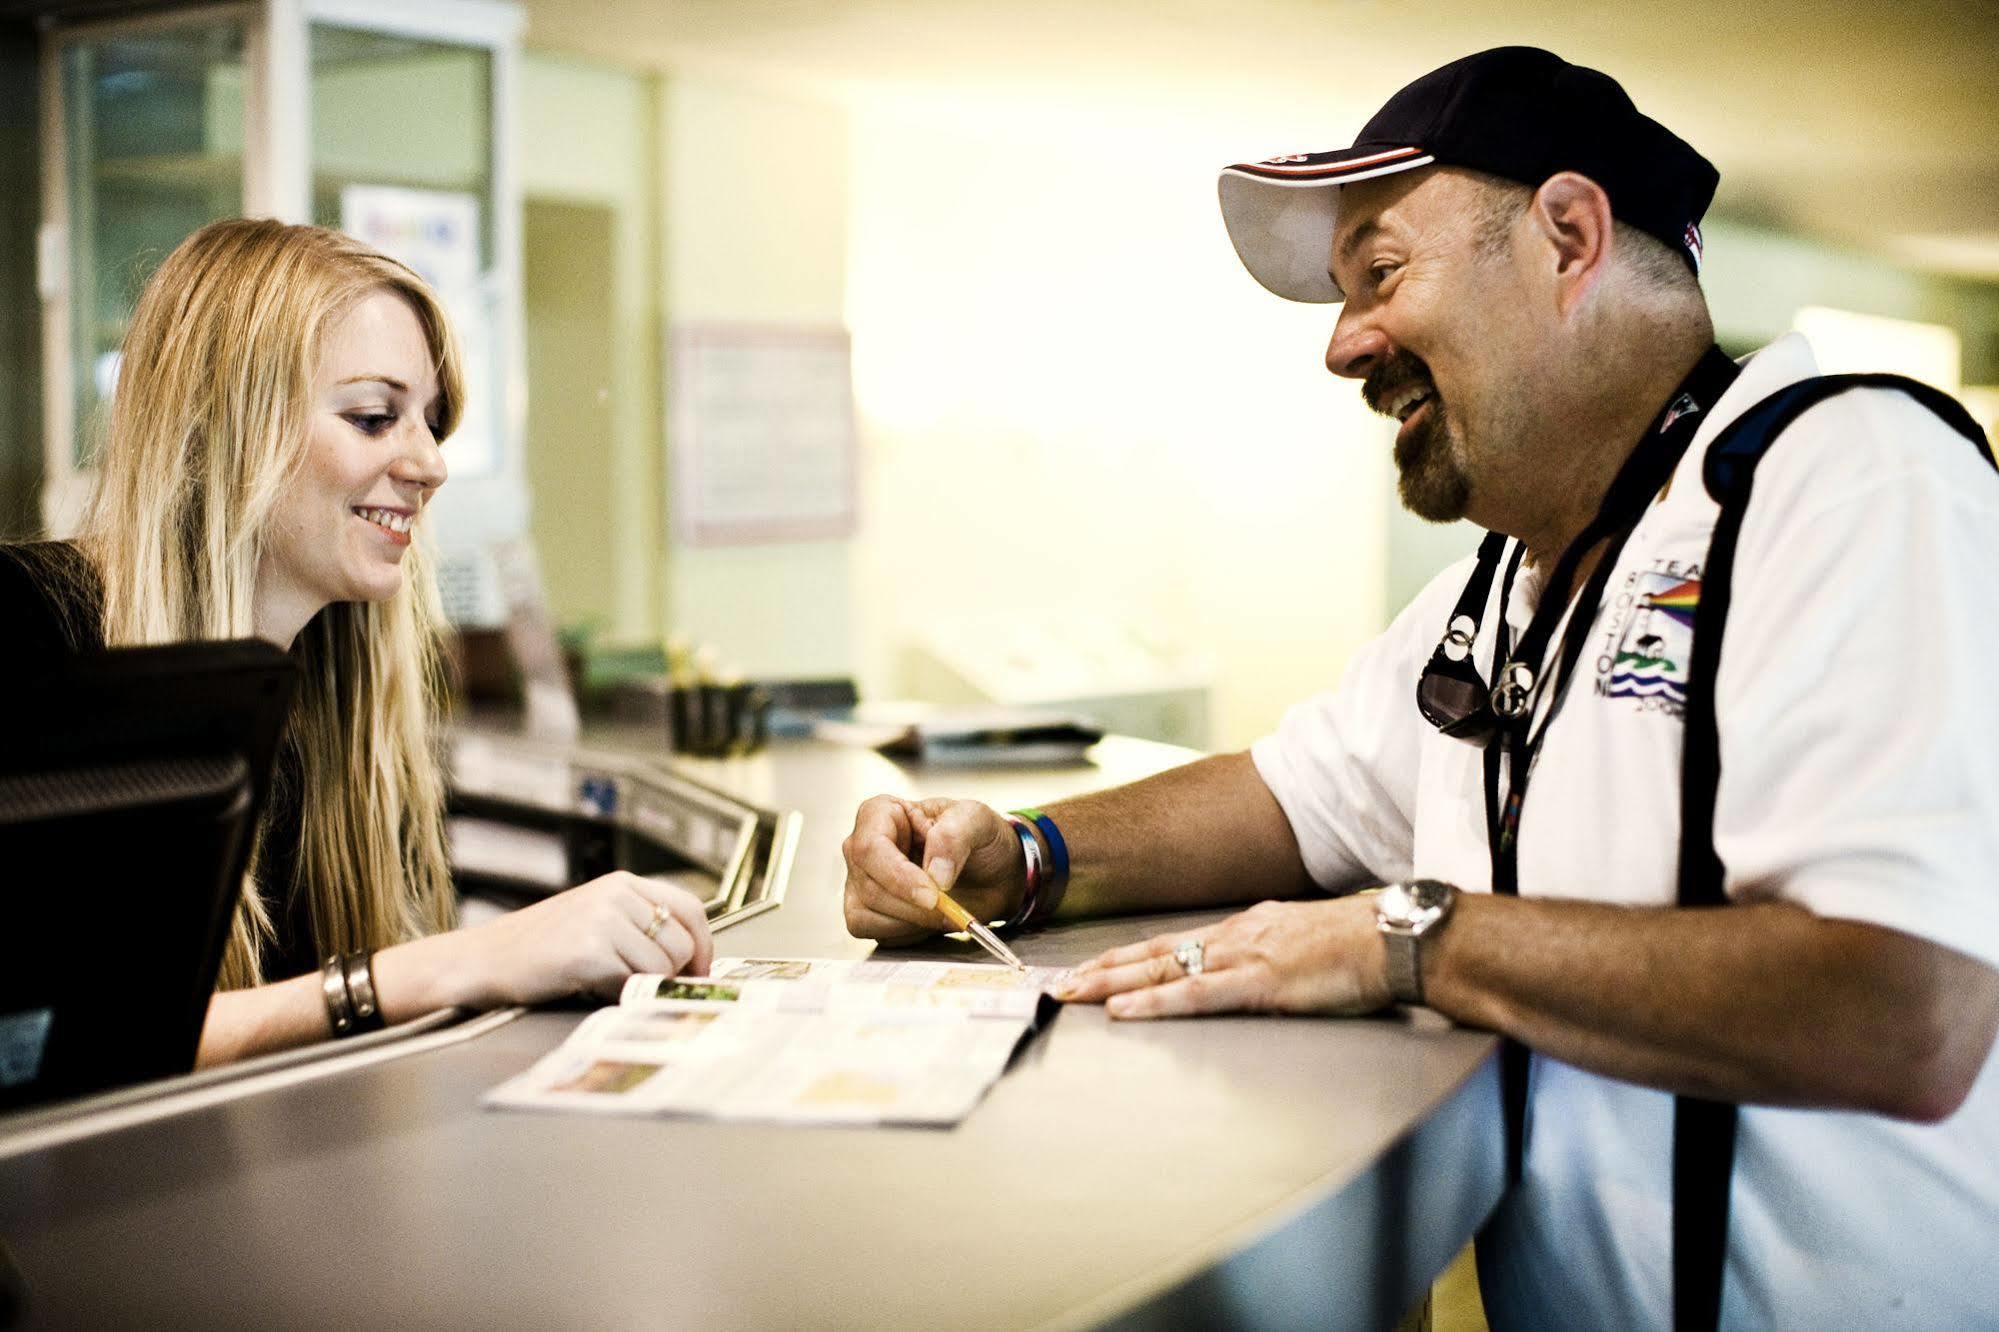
pixel 1451 694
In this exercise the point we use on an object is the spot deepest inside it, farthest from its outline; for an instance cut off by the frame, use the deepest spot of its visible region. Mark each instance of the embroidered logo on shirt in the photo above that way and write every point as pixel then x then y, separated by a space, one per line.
pixel 1653 634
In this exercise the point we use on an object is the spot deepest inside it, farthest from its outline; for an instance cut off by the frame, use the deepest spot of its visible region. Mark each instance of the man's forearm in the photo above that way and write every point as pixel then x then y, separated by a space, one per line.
pixel 1761 1002
pixel 1204 835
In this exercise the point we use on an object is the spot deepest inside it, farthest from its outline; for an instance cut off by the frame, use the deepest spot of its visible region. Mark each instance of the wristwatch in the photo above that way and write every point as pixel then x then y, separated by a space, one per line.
pixel 1404 913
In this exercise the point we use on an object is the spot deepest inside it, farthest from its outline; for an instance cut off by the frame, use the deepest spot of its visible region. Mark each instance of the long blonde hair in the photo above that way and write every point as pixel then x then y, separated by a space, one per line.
pixel 207 428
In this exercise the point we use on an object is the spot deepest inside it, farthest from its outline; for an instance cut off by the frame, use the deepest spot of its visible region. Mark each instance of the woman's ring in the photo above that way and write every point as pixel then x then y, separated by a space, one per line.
pixel 660 915
pixel 1191 956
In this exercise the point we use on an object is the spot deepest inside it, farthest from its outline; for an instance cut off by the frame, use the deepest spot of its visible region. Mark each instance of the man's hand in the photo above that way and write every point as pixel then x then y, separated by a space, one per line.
pixel 1276 957
pixel 902 851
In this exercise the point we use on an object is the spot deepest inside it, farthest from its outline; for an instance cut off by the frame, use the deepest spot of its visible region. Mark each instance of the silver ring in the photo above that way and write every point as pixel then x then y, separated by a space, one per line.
pixel 660 915
pixel 1192 957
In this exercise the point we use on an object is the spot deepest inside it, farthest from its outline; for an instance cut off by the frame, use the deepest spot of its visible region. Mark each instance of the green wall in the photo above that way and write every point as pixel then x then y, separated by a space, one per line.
pixel 1756 279
pixel 589 160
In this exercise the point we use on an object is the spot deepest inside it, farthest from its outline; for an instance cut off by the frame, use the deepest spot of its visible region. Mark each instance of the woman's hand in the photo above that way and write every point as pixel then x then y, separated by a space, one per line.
pixel 1276 957
pixel 902 851
pixel 586 940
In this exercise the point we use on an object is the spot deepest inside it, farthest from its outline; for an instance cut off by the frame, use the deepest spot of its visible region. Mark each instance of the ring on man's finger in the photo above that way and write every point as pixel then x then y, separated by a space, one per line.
pixel 1192 957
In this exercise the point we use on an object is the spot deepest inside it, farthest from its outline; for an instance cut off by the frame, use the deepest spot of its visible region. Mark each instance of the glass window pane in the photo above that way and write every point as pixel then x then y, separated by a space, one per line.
pixel 402 157
pixel 154 132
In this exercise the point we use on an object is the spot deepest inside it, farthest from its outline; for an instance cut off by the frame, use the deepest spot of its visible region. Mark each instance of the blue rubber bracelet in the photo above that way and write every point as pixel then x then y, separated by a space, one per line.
pixel 1056 874
pixel 1057 847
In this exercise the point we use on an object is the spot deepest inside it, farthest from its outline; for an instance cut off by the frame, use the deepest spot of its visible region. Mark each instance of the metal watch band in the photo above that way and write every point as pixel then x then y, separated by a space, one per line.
pixel 1405 971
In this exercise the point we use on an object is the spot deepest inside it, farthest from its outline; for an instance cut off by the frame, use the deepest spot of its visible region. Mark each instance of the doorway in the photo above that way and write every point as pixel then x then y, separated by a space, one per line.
pixel 567 295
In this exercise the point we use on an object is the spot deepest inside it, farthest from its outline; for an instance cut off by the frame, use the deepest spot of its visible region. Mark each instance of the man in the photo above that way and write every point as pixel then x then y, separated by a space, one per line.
pixel 1515 247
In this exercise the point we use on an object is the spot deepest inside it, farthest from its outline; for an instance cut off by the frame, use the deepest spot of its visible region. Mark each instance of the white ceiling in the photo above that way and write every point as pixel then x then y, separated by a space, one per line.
pixel 1872 123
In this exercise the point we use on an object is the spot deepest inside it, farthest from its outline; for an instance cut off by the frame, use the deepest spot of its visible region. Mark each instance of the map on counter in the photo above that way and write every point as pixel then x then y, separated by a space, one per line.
pixel 795 1041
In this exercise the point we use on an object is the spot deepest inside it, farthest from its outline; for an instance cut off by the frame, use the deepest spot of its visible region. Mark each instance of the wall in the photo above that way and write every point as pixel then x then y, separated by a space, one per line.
pixel 1201 479
pixel 754 202
pixel 1073 398
pixel 1756 279
pixel 571 351
pixel 589 137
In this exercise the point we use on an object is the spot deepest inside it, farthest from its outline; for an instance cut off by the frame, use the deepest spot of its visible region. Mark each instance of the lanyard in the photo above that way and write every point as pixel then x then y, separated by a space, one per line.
pixel 1502 651
pixel 1518 686
pixel 1641 478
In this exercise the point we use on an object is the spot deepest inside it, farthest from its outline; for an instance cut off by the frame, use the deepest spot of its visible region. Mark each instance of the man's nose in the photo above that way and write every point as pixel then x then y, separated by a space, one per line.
pixel 1357 346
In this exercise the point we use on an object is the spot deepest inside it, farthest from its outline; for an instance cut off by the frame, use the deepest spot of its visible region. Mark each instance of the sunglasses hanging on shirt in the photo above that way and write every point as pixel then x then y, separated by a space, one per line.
pixel 1451 694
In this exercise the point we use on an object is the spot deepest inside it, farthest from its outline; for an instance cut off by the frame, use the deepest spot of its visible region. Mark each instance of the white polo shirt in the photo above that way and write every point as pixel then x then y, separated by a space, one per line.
pixel 1858 701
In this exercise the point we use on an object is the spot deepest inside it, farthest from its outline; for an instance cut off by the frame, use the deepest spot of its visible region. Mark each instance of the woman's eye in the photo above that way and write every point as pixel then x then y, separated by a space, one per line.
pixel 371 423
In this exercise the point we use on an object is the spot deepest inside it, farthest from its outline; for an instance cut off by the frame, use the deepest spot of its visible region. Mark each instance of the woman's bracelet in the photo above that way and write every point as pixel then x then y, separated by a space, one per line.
pixel 348 985
pixel 358 969
pixel 333 987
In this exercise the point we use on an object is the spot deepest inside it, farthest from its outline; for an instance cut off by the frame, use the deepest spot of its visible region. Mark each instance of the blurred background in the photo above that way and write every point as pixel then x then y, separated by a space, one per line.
pixel 900 340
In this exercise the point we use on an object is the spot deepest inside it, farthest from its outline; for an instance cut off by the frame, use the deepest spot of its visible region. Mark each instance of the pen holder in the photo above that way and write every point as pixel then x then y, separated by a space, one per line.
pixel 717 720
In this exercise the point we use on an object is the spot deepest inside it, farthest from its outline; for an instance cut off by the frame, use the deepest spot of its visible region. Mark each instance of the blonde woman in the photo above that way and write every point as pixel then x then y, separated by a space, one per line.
pixel 271 445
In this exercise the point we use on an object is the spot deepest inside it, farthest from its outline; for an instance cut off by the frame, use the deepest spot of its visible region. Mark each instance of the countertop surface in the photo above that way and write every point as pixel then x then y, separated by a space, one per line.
pixel 1112 1164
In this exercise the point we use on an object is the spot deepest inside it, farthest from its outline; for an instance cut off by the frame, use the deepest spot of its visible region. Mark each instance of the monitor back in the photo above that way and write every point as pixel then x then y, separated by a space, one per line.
pixel 131 782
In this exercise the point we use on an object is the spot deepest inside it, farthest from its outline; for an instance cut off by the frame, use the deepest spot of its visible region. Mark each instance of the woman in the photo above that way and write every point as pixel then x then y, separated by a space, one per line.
pixel 272 442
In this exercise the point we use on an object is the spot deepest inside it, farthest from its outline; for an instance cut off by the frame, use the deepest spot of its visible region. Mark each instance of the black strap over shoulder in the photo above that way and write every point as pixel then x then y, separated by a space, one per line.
pixel 1703 1130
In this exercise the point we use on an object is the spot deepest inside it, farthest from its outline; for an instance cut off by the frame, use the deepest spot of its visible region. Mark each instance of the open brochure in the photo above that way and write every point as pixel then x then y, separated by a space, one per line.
pixel 795 1040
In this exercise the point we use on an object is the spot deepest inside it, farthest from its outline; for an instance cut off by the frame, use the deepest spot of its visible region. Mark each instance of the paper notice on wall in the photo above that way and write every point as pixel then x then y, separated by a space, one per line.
pixel 437 233
pixel 763 434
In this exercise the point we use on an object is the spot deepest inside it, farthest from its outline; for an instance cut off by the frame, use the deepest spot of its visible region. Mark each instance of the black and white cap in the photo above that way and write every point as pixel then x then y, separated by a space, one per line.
pixel 1514 111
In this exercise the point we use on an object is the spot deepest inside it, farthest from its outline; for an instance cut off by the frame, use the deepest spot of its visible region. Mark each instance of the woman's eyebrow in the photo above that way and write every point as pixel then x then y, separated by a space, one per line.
pixel 390 380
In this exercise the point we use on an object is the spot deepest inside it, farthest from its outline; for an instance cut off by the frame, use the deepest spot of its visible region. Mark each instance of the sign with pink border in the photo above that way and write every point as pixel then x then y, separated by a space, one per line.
pixel 762 442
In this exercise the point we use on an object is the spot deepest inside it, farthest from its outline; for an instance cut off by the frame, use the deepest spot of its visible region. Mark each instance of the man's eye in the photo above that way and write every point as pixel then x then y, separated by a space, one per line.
pixel 1380 272
pixel 371 423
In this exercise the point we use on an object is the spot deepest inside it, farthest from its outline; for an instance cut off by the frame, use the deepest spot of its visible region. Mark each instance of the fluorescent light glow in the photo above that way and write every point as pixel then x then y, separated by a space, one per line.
pixel 1846 343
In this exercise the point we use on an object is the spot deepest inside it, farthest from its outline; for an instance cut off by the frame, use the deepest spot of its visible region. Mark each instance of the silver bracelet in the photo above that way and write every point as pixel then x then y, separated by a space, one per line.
pixel 339 1005
pixel 1030 851
pixel 357 969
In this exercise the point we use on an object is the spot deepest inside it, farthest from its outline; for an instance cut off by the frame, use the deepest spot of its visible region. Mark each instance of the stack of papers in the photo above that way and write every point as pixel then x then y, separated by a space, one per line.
pixel 795 1040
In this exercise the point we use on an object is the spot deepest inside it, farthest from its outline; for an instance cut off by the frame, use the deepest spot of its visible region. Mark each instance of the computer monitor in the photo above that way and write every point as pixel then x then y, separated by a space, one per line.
pixel 131 783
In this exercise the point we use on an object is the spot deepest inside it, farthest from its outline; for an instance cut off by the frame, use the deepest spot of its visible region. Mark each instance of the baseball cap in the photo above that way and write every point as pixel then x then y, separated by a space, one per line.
pixel 1514 111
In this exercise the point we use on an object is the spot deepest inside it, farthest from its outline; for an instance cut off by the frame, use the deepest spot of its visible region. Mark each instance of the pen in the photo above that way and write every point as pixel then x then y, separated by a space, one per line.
pixel 965 921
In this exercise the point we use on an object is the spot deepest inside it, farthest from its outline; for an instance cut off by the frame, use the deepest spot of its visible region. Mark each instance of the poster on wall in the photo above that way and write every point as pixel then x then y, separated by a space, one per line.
pixel 436 232
pixel 762 420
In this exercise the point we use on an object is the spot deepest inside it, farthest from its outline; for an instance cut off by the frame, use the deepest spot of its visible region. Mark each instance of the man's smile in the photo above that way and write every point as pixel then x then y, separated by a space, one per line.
pixel 1404 401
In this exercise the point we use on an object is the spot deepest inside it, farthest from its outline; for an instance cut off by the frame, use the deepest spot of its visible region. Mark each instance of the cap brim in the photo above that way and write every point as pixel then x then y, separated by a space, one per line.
pixel 1281 213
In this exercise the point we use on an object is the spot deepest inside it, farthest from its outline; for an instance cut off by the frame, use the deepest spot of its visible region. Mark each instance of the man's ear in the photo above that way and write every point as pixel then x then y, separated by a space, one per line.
pixel 1571 214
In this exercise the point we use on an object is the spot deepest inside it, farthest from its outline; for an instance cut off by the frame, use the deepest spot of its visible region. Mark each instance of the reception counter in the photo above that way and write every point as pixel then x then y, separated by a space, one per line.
pixel 1236 1171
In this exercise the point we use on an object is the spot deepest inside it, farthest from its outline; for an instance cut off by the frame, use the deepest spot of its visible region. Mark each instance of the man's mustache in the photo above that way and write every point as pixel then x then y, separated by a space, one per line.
pixel 1393 375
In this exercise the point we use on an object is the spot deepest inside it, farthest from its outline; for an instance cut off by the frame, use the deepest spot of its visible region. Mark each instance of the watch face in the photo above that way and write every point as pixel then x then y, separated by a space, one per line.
pixel 1430 895
pixel 1415 906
